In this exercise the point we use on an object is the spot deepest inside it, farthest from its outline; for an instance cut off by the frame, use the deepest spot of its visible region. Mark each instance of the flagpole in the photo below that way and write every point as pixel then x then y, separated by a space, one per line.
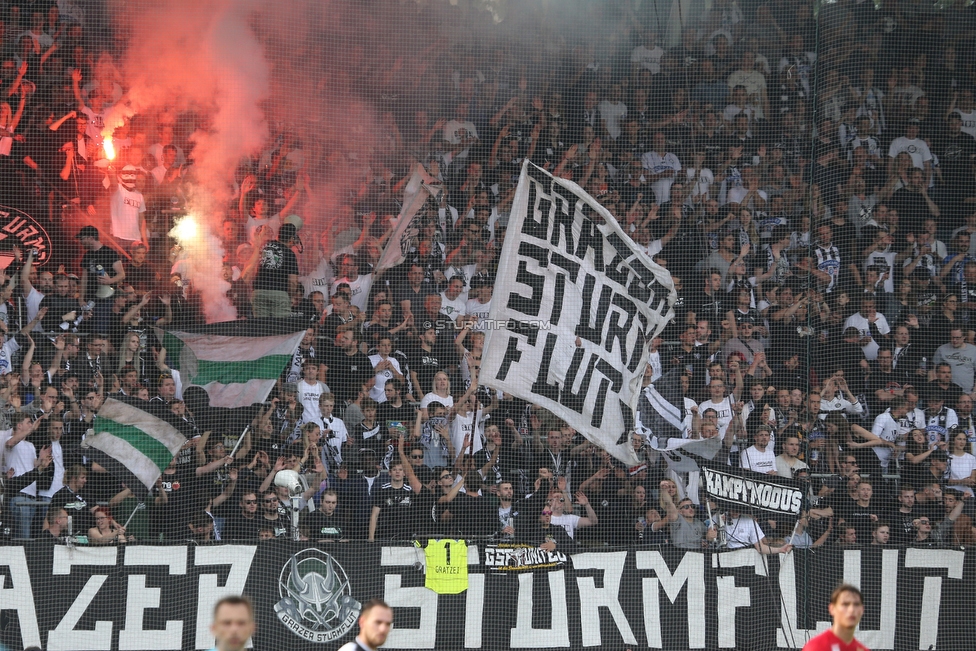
pixel 240 440
pixel 140 506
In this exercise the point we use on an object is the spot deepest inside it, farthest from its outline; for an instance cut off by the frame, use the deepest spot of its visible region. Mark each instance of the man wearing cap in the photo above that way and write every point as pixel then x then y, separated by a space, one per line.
pixel 101 268
pixel 275 270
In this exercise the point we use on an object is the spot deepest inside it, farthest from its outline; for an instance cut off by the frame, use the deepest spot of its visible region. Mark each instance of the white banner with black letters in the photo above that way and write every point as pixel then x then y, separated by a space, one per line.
pixel 576 302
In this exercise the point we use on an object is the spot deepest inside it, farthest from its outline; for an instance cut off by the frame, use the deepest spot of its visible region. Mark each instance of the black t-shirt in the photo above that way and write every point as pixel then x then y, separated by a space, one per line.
pixel 396 511
pixel 276 264
pixel 278 527
pixel 96 263
pixel 240 528
pixel 902 526
pixel 386 413
pixel 348 373
pixel 324 527
pixel 425 364
pixel 77 506
pixel 859 517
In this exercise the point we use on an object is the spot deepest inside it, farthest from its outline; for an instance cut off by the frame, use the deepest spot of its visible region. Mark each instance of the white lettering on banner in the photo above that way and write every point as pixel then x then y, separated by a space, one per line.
pixel 209 592
pixel 593 598
pixel 932 587
pixel 731 596
pixel 424 636
pixel 753 492
pixel 524 636
pixel 140 598
pixel 690 572
pixel 18 597
pixel 884 637
pixel 576 302
pixel 65 637
pixel 474 609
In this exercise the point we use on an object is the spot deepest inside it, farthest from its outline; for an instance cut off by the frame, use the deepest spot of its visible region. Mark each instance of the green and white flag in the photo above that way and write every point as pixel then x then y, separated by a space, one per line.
pixel 236 363
pixel 132 444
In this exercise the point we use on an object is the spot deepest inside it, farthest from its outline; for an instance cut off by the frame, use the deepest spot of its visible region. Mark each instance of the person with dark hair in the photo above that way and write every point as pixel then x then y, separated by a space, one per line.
pixel 846 609
pixel 274 269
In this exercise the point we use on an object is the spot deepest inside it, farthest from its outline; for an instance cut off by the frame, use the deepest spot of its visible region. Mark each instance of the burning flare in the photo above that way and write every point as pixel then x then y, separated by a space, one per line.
pixel 109 148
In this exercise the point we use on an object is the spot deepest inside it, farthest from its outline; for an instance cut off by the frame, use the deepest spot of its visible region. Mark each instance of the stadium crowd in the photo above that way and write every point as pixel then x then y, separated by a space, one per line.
pixel 809 185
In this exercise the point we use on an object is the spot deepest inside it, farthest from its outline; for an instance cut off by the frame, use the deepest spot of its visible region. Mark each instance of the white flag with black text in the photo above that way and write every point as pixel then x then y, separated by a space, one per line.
pixel 575 305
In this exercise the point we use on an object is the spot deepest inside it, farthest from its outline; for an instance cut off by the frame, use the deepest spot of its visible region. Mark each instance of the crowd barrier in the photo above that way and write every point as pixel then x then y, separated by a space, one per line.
pixel 158 597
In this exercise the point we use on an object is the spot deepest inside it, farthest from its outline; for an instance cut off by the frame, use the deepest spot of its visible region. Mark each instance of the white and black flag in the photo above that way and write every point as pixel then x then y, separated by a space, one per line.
pixel 576 304
pixel 746 489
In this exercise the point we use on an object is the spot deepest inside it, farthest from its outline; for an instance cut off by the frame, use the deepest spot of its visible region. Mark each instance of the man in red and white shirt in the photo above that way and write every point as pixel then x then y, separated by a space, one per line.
pixel 846 608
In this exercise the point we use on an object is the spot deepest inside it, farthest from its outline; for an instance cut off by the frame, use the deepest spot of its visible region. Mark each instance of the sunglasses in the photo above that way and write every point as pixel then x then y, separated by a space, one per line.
pixel 687 506
pixel 547 513
pixel 270 501
pixel 416 456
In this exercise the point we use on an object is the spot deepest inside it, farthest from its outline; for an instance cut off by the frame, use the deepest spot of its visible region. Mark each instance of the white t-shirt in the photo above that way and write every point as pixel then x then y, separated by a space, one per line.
pixel 461 426
pixel 737 194
pixel 360 289
pixel 433 397
pixel 7 351
pixel 752 459
pixel 887 428
pixel 341 435
pixel 33 302
pixel 612 114
pixel 273 222
pixel 649 59
pixel 308 395
pixel 568 522
pixel 319 279
pixel 864 328
pixel 723 409
pixel 655 164
pixel 700 181
pixel 20 457
pixel 961 468
pixel 476 308
pixel 968 122
pixel 916 148
pixel 743 532
pixel 125 207
pixel 377 393
pixel 454 309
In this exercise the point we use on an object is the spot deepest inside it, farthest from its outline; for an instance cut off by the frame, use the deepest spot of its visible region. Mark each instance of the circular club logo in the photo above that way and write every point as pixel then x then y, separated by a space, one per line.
pixel 316 599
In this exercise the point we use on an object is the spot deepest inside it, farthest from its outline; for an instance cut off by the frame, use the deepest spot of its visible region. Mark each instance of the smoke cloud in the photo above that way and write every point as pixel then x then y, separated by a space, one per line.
pixel 336 73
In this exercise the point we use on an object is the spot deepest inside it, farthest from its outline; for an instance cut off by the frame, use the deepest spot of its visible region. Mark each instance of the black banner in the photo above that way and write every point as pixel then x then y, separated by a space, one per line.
pixel 161 597
pixel 18 226
pixel 746 489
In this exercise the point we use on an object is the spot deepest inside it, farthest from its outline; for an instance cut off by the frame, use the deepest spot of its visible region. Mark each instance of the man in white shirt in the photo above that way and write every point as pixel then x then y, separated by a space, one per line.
pixel 569 522
pixel 867 320
pixel 478 307
pixel 721 403
pixel 648 54
pixel 887 427
pixel 787 464
pixel 662 167
pixel 19 456
pixel 613 111
pixel 359 284
pixel 961 357
pixel 759 457
pixel 454 300
pixel 914 147
pixel 127 207
pixel 753 81
pixel 309 392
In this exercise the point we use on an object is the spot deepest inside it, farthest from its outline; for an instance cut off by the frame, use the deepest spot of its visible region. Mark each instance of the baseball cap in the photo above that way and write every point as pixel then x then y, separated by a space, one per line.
pixel 289 387
pixel 87 231
pixel 914 121
pixel 287 232
pixel 744 319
